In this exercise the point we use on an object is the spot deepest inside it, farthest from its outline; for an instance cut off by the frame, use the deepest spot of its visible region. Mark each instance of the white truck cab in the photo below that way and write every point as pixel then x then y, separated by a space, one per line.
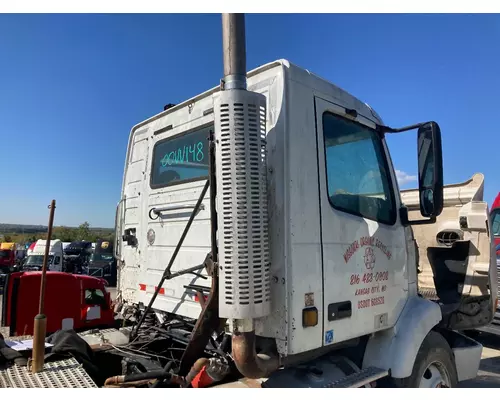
pixel 318 250
pixel 34 261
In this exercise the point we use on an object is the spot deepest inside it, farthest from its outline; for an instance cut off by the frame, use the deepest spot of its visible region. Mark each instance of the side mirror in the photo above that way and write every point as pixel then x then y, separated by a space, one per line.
pixel 430 170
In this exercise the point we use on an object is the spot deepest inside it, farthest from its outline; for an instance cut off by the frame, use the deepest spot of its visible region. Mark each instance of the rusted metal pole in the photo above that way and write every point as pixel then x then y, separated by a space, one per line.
pixel 46 257
pixel 40 323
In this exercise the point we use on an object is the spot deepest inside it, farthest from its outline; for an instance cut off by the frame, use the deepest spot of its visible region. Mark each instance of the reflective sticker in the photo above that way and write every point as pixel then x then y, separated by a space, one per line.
pixel 161 291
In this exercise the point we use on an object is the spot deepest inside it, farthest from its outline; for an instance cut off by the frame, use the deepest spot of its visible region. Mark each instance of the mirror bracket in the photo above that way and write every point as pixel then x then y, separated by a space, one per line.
pixel 405 221
pixel 386 129
pixel 430 165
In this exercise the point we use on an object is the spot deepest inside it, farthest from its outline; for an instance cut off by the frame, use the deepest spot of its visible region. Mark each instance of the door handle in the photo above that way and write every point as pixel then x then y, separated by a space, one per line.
pixel 339 310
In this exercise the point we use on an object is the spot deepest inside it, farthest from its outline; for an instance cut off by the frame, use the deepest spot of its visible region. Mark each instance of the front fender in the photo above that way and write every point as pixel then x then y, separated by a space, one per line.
pixel 396 349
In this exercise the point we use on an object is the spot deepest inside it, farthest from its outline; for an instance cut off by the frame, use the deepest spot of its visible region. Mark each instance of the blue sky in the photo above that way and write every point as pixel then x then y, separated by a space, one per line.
pixel 72 86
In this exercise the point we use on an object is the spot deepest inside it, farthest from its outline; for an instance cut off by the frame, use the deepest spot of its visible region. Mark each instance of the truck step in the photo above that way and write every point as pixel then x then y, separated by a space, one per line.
pixel 359 379
pixel 56 374
pixel 428 293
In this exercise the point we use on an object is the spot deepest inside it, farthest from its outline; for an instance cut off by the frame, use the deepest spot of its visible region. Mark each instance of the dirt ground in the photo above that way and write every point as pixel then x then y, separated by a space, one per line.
pixel 489 372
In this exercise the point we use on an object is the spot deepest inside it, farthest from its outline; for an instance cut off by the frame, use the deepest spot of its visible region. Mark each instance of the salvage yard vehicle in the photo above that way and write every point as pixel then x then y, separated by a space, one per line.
pixel 34 260
pixel 7 261
pixel 7 256
pixel 494 327
pixel 495 221
pixel 313 252
pixel 102 262
pixel 72 302
pixel 262 241
pixel 76 256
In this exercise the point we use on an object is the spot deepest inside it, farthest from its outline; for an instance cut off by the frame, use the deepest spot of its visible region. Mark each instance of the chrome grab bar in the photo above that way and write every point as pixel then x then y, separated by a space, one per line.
pixel 158 211
pixel 118 228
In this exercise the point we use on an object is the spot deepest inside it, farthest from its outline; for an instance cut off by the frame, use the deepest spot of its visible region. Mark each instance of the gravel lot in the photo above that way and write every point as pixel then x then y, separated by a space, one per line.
pixel 489 373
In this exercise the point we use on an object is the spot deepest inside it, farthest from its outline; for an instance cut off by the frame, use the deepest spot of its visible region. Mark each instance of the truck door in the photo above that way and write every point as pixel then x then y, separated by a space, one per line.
pixel 363 241
pixel 178 171
pixel 57 265
pixel 129 231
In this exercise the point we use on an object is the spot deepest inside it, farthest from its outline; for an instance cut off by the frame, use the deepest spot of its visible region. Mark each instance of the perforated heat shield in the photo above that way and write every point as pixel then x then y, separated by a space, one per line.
pixel 240 131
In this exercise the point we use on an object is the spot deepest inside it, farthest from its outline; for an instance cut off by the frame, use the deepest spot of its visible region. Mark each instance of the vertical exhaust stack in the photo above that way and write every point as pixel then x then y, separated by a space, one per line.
pixel 234 51
pixel 240 132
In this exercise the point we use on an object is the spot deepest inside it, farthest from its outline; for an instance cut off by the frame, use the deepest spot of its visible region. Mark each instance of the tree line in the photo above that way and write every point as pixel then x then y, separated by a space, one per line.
pixel 64 234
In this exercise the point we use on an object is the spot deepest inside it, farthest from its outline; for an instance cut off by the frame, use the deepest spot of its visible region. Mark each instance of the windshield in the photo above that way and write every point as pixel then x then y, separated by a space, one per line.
pixel 78 246
pixel 37 260
pixel 76 252
pixel 101 257
pixel 4 253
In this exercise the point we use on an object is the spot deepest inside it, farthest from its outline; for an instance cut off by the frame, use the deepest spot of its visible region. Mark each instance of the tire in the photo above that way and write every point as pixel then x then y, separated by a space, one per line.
pixel 434 358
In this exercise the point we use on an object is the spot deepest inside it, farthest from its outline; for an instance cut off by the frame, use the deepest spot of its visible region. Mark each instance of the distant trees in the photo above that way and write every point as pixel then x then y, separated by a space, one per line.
pixel 83 232
pixel 64 234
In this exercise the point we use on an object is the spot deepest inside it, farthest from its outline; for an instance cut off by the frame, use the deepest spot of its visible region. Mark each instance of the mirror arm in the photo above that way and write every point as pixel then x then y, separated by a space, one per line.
pixel 387 129
pixel 423 221
pixel 403 214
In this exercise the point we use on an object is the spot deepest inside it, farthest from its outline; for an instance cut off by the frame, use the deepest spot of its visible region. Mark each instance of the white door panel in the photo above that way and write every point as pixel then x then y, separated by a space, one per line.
pixel 363 242
pixel 183 157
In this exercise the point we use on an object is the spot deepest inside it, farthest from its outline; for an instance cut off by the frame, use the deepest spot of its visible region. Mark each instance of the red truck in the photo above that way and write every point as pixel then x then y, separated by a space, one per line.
pixel 7 256
pixel 495 222
pixel 71 302
pixel 494 327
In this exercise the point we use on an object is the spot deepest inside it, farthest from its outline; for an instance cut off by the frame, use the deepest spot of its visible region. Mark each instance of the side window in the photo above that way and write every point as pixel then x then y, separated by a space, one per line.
pixel 495 222
pixel 357 171
pixel 94 297
pixel 182 158
pixel 57 260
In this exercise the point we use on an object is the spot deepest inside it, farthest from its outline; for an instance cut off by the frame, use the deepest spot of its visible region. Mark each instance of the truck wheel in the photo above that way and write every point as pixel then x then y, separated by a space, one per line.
pixel 434 366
